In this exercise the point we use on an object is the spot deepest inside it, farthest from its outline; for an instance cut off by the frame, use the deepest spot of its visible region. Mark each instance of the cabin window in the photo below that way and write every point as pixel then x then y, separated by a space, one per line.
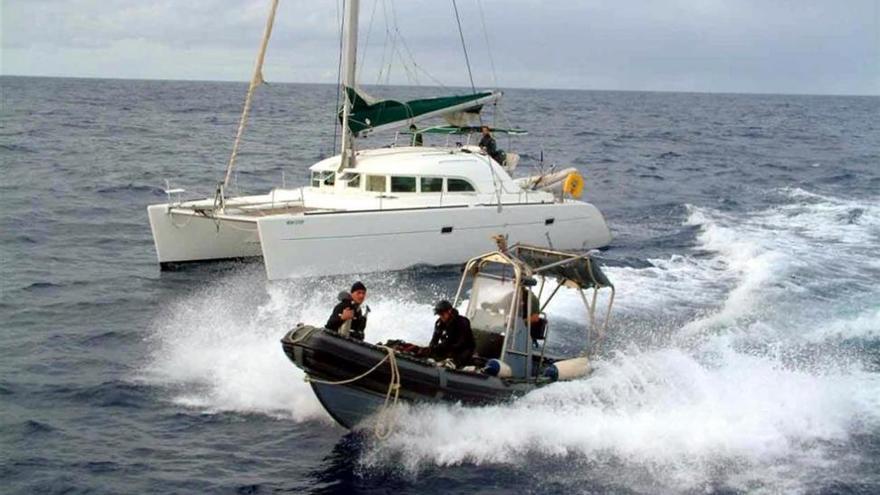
pixel 432 184
pixel 459 185
pixel 403 184
pixel 376 183
pixel 323 178
pixel 352 180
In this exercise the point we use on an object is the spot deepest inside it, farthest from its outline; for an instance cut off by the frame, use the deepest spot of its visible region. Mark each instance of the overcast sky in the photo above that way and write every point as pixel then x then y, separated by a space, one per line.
pixel 767 46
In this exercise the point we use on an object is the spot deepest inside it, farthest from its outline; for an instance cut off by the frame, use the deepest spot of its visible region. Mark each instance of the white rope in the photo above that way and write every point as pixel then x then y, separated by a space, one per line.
pixel 256 80
pixel 384 419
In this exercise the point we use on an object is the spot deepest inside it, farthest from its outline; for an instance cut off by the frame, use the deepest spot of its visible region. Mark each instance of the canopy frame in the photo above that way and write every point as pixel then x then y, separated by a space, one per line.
pixel 568 269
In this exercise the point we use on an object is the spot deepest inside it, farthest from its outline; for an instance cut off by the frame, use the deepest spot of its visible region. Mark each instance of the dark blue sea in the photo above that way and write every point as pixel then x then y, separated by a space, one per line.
pixel 743 355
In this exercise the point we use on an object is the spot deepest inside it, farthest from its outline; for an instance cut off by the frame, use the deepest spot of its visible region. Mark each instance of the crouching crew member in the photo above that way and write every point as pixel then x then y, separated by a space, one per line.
pixel 452 338
pixel 349 317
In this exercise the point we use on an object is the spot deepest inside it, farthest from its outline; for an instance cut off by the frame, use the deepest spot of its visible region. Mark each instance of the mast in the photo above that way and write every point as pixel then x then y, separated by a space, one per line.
pixel 256 80
pixel 349 59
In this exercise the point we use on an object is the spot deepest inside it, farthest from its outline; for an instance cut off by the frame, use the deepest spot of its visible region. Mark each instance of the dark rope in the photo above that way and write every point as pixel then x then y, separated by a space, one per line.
pixel 464 47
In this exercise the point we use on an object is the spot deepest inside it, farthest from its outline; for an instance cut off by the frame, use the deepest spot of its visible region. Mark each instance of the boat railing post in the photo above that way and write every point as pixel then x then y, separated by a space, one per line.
pixel 467 268
pixel 591 313
pixel 511 316
pixel 544 345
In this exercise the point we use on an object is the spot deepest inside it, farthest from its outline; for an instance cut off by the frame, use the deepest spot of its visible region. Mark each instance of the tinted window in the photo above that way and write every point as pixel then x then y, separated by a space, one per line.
pixel 403 184
pixel 354 180
pixel 458 185
pixel 432 184
pixel 376 183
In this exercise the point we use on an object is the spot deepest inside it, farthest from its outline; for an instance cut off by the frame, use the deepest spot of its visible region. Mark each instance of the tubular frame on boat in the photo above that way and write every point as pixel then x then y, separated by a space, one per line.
pixel 526 261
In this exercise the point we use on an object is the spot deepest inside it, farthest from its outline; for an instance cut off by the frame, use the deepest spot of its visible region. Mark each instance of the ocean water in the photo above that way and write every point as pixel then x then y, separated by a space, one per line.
pixel 743 355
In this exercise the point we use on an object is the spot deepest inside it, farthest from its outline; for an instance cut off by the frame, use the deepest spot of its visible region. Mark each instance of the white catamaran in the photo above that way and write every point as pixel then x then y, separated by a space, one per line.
pixel 380 209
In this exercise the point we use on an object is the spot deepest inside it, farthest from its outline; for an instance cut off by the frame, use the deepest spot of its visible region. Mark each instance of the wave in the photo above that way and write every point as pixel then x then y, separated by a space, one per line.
pixel 219 348
pixel 862 326
pixel 685 421
pixel 715 398
pixel 696 391
pixel 155 191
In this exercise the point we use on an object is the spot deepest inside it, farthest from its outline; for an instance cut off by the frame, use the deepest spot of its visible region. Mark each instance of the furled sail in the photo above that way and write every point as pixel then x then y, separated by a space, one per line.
pixel 369 114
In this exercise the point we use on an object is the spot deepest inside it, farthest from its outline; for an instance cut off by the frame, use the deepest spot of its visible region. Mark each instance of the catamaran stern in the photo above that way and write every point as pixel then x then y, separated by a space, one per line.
pixel 185 236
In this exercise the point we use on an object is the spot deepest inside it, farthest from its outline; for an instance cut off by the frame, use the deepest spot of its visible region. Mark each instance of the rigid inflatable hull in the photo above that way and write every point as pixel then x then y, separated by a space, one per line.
pixel 328 356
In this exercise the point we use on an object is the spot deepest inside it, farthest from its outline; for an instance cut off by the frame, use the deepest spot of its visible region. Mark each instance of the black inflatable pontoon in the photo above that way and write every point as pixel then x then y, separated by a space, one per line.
pixel 327 356
pixel 353 379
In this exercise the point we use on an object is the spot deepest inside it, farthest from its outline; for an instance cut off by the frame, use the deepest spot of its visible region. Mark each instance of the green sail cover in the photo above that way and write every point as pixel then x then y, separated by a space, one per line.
pixel 369 116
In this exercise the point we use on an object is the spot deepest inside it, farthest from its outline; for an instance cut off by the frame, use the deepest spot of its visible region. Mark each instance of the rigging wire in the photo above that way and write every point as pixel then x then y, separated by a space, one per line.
pixel 496 106
pixel 338 74
pixel 488 45
pixel 384 45
pixel 363 53
pixel 394 50
pixel 394 47
pixel 464 47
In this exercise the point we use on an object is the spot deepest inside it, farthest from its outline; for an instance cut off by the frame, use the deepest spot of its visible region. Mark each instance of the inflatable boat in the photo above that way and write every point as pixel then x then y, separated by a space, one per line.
pixel 354 380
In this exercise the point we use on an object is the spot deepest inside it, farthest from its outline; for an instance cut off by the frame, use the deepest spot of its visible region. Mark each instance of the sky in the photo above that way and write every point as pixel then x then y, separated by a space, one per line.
pixel 737 46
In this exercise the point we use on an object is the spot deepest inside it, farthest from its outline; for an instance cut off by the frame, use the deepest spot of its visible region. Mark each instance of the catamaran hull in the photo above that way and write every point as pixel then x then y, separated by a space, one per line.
pixel 366 241
pixel 332 243
pixel 186 237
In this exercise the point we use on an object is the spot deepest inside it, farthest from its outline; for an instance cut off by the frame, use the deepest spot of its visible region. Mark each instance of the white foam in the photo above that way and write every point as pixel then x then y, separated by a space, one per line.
pixel 825 218
pixel 865 326
pixel 218 348
pixel 689 414
pixel 662 410
pixel 704 412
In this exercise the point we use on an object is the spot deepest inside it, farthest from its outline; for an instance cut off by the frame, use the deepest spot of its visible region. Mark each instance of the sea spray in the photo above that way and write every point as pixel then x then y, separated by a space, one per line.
pixel 729 398
pixel 218 348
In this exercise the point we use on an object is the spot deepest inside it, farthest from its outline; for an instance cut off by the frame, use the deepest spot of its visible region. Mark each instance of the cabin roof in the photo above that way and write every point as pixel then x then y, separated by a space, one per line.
pixel 425 161
pixel 403 160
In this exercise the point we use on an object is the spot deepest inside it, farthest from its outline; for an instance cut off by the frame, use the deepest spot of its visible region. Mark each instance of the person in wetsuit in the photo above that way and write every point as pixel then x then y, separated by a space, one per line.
pixel 488 144
pixel 453 338
pixel 348 316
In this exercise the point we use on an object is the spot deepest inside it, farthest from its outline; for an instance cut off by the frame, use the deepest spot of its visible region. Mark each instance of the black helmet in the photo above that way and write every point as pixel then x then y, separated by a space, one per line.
pixel 442 307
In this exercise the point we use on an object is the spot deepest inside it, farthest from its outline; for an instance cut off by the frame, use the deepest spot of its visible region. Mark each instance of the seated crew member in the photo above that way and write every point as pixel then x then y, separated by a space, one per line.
pixel 488 144
pixel 348 318
pixel 453 338
pixel 531 317
pixel 417 139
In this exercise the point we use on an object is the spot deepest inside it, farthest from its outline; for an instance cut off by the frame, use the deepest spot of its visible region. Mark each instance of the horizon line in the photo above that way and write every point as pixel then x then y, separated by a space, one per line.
pixel 232 81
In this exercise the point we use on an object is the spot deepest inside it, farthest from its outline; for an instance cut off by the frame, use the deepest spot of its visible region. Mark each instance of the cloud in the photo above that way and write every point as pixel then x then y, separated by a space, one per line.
pixel 809 46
